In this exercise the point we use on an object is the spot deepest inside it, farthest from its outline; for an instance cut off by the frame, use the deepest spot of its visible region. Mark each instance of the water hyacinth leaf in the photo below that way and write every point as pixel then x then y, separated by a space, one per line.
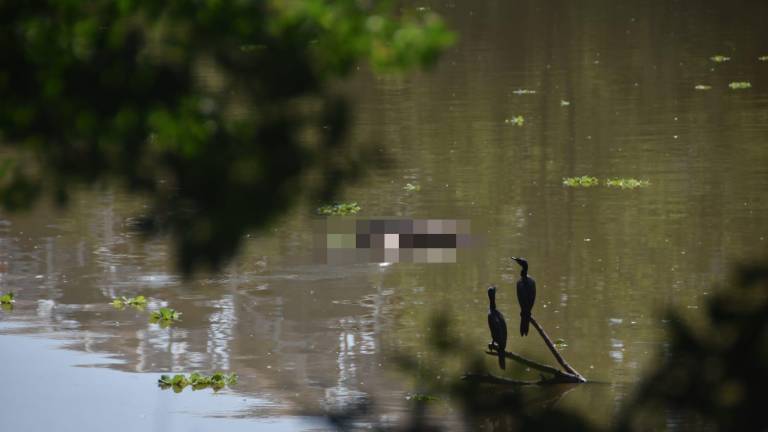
pixel 516 120
pixel 703 87
pixel 411 187
pixel 197 381
pixel 340 209
pixel 582 181
pixel 740 85
pixel 626 183
pixel 7 298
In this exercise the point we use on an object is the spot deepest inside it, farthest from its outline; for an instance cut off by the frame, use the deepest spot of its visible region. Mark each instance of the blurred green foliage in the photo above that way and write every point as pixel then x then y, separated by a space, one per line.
pixel 215 111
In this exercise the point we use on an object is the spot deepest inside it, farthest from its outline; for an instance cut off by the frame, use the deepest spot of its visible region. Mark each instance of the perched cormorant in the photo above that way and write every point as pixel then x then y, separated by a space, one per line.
pixel 498 326
pixel 526 295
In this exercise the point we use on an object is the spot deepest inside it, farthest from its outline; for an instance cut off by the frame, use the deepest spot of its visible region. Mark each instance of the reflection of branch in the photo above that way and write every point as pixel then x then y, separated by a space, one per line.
pixel 554 352
pixel 569 375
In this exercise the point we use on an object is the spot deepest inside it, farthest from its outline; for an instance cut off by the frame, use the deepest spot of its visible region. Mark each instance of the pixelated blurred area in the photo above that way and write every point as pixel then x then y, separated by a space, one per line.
pixel 350 241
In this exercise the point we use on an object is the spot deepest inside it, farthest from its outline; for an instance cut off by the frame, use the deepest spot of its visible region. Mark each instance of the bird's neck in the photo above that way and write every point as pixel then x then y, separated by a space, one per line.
pixel 524 273
pixel 493 303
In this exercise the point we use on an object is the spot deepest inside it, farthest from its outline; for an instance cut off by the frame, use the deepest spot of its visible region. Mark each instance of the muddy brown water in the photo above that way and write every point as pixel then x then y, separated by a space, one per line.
pixel 608 92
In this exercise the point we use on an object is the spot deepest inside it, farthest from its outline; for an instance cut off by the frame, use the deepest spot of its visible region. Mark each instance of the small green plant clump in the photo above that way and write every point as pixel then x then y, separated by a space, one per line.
pixel 138 302
pixel 703 87
pixel 516 120
pixel 626 183
pixel 339 209
pixel 165 316
pixel 564 103
pixel 421 397
pixel 524 92
pixel 740 85
pixel 720 58
pixel 7 299
pixel 197 381
pixel 763 58
pixel 560 343
pixel 583 181
pixel 411 187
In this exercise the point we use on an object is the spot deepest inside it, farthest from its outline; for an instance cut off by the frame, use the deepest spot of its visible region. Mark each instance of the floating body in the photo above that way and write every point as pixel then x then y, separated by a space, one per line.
pixel 498 327
pixel 526 295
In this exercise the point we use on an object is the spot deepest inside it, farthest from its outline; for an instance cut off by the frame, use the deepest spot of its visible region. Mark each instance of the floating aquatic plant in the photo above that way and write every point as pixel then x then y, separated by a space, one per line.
pixel 763 58
pixel 516 120
pixel 138 302
pixel 720 58
pixel 197 381
pixel 626 183
pixel 339 209
pixel 7 299
pixel 583 181
pixel 740 85
pixel 703 87
pixel 421 397
pixel 524 92
pixel 564 102
pixel 560 343
pixel 412 187
pixel 165 316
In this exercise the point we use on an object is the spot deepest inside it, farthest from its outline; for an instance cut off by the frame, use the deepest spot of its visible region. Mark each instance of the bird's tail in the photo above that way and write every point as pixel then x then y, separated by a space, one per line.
pixel 502 360
pixel 525 321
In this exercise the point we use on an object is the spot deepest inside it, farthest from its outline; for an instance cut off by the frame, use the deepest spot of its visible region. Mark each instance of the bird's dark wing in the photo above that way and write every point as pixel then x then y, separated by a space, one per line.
pixel 532 288
pixel 498 328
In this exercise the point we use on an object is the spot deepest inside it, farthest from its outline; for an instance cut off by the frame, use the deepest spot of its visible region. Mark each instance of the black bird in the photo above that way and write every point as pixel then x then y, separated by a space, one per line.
pixel 526 295
pixel 498 327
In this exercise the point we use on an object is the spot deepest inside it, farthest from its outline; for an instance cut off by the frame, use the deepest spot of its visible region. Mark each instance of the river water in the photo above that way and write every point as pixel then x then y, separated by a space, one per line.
pixel 606 89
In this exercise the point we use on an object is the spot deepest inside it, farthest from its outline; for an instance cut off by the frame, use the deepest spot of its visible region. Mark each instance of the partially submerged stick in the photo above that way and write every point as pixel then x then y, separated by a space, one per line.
pixel 554 352
pixel 568 375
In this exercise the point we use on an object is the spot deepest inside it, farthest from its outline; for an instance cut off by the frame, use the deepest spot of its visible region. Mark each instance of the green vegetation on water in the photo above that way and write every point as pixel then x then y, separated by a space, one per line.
pixel 7 299
pixel 421 397
pixel 138 302
pixel 412 187
pixel 340 209
pixel 626 183
pixel 720 58
pixel 740 85
pixel 524 92
pixel 703 87
pixel 583 181
pixel 165 316
pixel 763 58
pixel 560 343
pixel 564 102
pixel 589 181
pixel 197 381
pixel 516 120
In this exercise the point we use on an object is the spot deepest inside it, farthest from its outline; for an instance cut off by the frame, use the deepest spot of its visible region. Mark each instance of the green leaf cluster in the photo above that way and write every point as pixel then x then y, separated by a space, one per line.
pixel 7 298
pixel 720 58
pixel 139 302
pixel 516 120
pixel 763 58
pixel 412 187
pixel 197 381
pixel 740 85
pixel 588 181
pixel 583 181
pixel 626 183
pixel 165 316
pixel 703 87
pixel 339 209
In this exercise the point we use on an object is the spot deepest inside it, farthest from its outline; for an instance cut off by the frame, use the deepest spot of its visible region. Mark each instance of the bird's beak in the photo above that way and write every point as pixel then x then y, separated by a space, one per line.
pixel 514 258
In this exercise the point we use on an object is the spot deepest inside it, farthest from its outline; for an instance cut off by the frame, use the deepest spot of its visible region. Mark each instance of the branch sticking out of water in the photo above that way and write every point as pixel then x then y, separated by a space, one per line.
pixel 568 375
pixel 555 353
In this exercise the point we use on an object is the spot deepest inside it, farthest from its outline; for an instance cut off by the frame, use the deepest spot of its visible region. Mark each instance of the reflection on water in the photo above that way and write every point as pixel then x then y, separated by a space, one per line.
pixel 303 336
